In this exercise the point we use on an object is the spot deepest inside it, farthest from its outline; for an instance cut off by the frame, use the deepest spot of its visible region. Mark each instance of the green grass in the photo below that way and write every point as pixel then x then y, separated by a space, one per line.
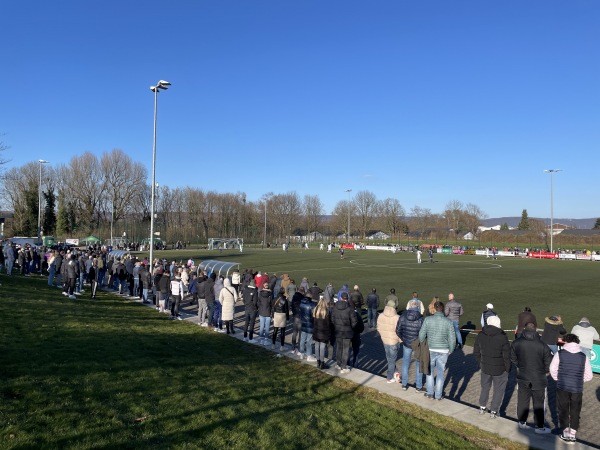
pixel 109 373
pixel 549 287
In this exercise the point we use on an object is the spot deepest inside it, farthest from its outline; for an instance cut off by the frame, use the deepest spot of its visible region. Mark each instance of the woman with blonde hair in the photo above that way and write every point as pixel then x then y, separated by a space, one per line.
pixel 321 331
pixel 431 307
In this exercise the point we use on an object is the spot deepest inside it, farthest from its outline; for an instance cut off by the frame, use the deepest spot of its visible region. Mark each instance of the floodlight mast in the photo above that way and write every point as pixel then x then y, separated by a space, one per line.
pixel 162 84
pixel 552 172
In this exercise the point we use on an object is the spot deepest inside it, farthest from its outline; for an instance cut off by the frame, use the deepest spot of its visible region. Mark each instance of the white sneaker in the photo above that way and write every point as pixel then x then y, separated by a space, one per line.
pixel 311 359
pixel 245 339
pixel 281 348
pixel 72 296
pixel 345 371
pixel 253 341
pixel 215 329
pixel 77 293
pixel 523 426
pixel 221 330
pixel 543 430
pixel 204 324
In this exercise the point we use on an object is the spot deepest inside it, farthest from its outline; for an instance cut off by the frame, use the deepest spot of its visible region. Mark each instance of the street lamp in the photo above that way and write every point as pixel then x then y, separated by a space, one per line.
pixel 348 235
pixel 162 84
pixel 267 198
pixel 552 172
pixel 39 228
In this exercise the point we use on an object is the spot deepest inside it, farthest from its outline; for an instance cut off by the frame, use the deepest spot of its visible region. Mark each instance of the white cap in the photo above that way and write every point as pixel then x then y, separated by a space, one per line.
pixel 489 306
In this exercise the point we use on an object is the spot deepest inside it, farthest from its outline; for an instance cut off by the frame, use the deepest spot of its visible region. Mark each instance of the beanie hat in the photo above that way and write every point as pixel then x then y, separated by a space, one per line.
pixel 489 306
pixel 494 321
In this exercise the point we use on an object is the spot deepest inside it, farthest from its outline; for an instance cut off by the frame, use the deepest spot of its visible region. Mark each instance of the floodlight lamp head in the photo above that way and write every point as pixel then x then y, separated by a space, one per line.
pixel 153 88
pixel 163 83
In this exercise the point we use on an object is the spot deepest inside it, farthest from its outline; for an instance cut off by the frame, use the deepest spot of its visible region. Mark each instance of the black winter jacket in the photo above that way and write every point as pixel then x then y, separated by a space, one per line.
pixel 306 310
pixel 532 358
pixel 356 300
pixel 296 300
pixel 492 351
pixel 281 305
pixel 552 330
pixel 373 300
pixel 209 290
pixel 409 325
pixel 250 296
pixel 322 329
pixel 265 302
pixel 344 320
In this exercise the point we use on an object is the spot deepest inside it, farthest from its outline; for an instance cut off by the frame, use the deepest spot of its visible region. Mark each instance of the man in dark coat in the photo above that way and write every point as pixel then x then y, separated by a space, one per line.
pixel 492 352
pixel 344 321
pixel 250 297
pixel 532 358
pixel 297 321
pixel 307 321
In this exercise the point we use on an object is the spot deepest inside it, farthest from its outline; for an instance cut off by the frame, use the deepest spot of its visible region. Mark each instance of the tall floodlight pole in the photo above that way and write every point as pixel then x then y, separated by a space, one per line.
pixel 162 84
pixel 348 235
pixel 39 228
pixel 265 233
pixel 552 172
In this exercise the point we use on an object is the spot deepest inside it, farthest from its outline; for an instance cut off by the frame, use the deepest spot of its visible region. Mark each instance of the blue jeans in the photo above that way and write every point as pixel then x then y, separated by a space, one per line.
pixel 265 324
pixel 51 273
pixel 406 355
pixel 306 340
pixel 457 331
pixel 372 317
pixel 391 354
pixel 437 364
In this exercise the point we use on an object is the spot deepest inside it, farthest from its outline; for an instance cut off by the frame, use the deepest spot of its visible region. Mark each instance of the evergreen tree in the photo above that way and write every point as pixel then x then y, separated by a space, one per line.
pixel 597 224
pixel 62 220
pixel 49 224
pixel 504 227
pixel 524 223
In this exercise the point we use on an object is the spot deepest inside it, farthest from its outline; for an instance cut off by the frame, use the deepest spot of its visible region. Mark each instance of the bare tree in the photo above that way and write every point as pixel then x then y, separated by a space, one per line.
pixel 123 180
pixel 285 210
pixel 340 213
pixel 313 210
pixel 392 215
pixel 82 183
pixel 365 204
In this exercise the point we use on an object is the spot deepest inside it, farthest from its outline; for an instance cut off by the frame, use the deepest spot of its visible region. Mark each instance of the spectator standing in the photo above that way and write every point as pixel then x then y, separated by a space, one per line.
pixel 372 307
pixel 321 331
pixel 524 318
pixel 344 320
pixel 570 367
pixel 386 327
pixel 356 340
pixel 250 297
pixel 307 327
pixel 93 278
pixel 315 292
pixel 441 339
pixel 532 358
pixel 415 297
pixel 492 352
pixel 356 299
pixel 227 298
pixel 489 311
pixel 392 297
pixel 329 293
pixel 176 288
pixel 409 325
pixel 291 289
pixel 587 334
pixel 281 315
pixel 553 329
pixel 453 310
pixel 144 281
pixel 265 306
pixel 209 297
pixel 297 322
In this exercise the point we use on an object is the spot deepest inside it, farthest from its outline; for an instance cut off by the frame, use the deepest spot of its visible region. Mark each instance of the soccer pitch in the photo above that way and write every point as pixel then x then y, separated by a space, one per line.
pixel 549 287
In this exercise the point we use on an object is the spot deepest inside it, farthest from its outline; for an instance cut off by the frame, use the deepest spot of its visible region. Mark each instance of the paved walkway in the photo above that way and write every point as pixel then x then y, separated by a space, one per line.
pixel 461 391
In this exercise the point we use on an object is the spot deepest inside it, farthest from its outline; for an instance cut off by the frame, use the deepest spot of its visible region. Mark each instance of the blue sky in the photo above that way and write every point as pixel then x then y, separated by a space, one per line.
pixel 426 101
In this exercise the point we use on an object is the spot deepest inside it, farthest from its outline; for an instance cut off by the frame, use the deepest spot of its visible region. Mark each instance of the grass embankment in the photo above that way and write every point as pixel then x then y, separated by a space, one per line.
pixel 109 373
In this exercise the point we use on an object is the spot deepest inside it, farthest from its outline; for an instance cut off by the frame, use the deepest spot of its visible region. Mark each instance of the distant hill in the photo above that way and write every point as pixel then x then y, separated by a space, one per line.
pixel 580 224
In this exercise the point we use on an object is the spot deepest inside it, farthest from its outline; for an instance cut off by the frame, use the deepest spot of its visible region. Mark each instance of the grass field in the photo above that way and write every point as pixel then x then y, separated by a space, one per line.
pixel 549 287
pixel 110 373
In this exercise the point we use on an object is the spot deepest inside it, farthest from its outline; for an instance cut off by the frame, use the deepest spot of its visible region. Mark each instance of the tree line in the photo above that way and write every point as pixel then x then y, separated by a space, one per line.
pixel 89 195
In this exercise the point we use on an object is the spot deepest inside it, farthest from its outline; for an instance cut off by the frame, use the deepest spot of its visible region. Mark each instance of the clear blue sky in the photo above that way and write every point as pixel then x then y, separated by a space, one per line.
pixel 424 101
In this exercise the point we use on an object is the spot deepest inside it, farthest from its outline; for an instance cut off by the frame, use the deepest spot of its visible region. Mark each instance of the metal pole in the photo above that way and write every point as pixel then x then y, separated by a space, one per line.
pixel 265 234
pixel 39 225
pixel 153 186
pixel 552 172
pixel 348 235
